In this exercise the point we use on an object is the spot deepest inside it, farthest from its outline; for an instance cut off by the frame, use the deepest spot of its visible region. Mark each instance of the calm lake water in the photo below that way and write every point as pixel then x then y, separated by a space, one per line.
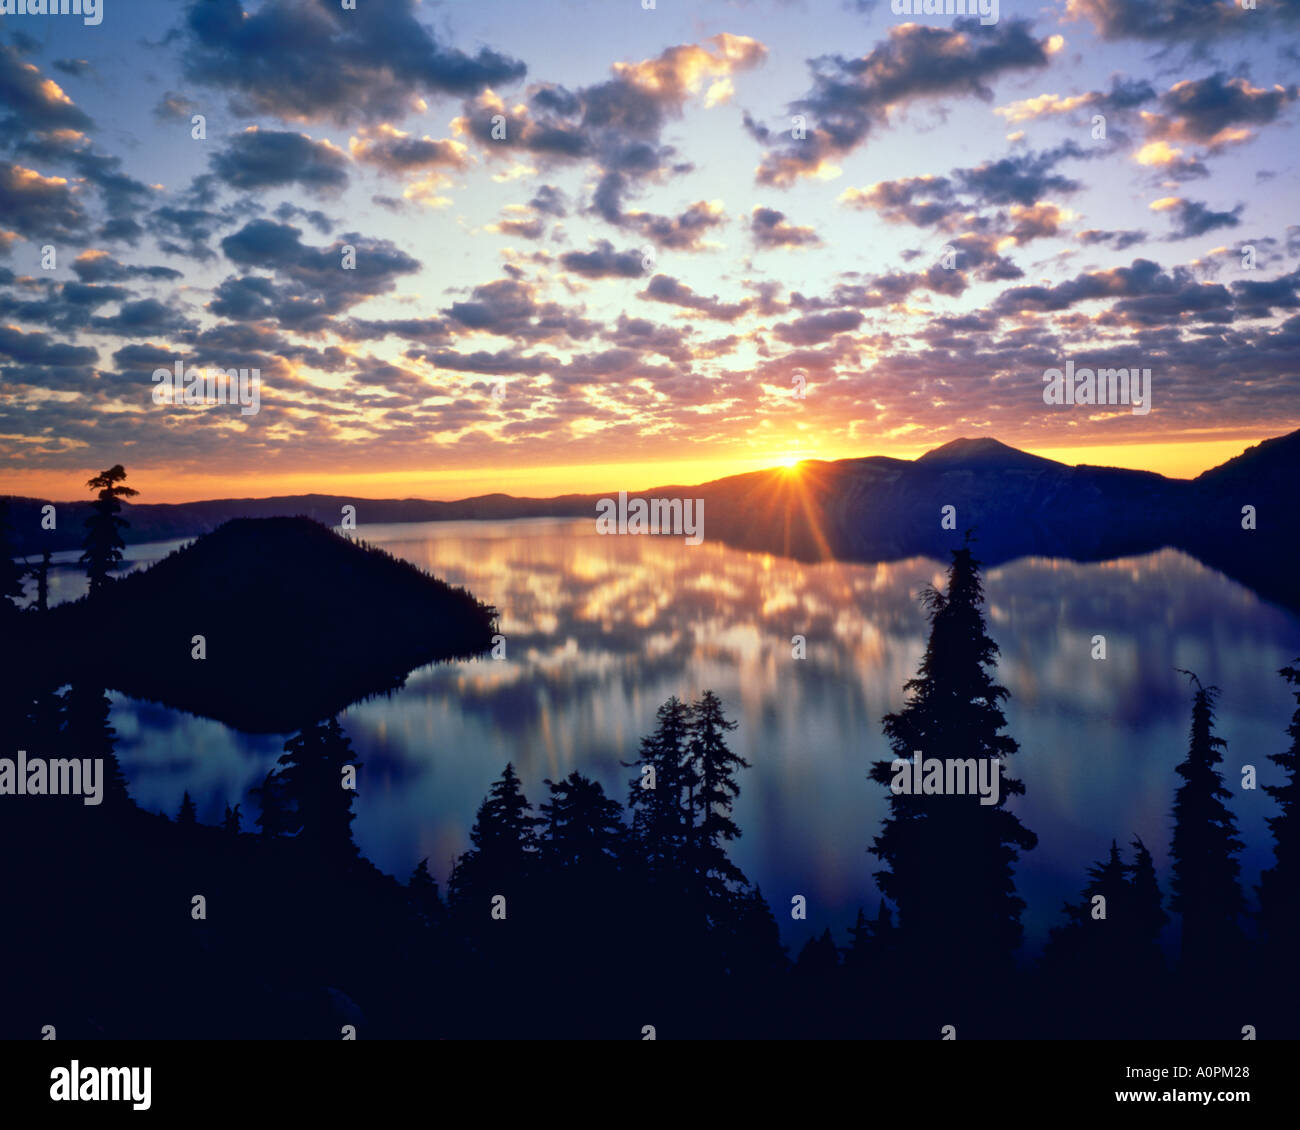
pixel 601 630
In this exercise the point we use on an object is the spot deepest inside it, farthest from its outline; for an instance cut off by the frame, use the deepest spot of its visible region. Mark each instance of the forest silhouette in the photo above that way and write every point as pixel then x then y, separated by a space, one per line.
pixel 593 916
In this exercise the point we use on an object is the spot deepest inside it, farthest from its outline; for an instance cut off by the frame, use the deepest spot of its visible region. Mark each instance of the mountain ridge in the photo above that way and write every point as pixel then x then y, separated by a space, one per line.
pixel 874 508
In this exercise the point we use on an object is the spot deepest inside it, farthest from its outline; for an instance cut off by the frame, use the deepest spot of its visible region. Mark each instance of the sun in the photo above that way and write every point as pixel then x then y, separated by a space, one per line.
pixel 790 462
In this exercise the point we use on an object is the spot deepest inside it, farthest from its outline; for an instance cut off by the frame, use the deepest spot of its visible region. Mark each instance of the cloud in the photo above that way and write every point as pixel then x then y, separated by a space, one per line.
pixel 851 97
pixel 146 316
pixel 394 151
pixel 39 207
pixel 35 102
pixel 1124 94
pixel 604 262
pixel 509 308
pixel 122 195
pixel 1193 217
pixel 286 212
pixel 1022 179
pixel 173 107
pixel 665 288
pixel 616 124
pixel 813 329
pixel 1215 111
pixel 1143 293
pixel 1119 240
pixel 257 159
pixel 521 221
pixel 982 210
pixel 304 61
pixel 1161 20
pixel 73 68
pixel 770 228
pixel 1172 162
pixel 310 283
pixel 39 349
pixel 99 266
pixel 683 232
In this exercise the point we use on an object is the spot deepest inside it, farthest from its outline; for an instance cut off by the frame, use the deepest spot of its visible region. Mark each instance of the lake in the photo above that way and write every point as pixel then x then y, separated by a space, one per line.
pixel 600 631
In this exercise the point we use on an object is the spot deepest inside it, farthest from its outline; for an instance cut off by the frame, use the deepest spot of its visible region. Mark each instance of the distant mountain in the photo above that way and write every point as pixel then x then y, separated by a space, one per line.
pixel 984 452
pixel 297 622
pixel 878 508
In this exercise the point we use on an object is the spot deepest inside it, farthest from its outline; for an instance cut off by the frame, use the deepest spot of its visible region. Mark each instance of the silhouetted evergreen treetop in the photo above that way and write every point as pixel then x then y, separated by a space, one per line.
pixel 88 732
pixel 187 814
pixel 657 795
pixel 1099 933
pixel 1148 915
pixel 230 823
pixel 582 828
pixel 711 789
pixel 42 574
pixel 102 549
pixel 856 953
pixel 949 857
pixel 504 838
pixel 1206 890
pixel 1279 885
pixel 425 900
pixel 11 572
pixel 754 946
pixel 819 957
pixel 275 819
pixel 312 774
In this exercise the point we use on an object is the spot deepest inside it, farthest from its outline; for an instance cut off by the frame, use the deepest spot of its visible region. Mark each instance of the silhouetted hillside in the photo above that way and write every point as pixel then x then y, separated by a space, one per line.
pixel 296 621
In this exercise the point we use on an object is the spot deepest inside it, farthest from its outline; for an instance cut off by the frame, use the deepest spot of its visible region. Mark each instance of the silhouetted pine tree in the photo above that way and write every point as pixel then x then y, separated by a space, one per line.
pixel 1148 917
pixel 582 830
pixel 311 769
pixel 819 958
pixel 1205 885
pixel 11 573
pixel 581 843
pixel 1096 937
pixel 187 815
pixel 884 935
pixel 660 818
pixel 948 857
pixel 43 583
pixel 504 854
pixel 104 545
pixel 43 711
pixel 424 897
pixel 230 824
pixel 714 767
pixel 1279 886
pixel 753 948
pixel 275 818
pixel 857 953
pixel 87 732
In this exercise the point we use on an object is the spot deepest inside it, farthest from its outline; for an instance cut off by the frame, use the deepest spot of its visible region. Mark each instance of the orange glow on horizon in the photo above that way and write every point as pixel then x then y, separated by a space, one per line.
pixel 1184 459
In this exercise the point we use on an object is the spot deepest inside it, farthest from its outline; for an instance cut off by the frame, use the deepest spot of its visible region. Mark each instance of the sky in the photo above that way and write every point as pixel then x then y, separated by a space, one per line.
pixel 552 246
